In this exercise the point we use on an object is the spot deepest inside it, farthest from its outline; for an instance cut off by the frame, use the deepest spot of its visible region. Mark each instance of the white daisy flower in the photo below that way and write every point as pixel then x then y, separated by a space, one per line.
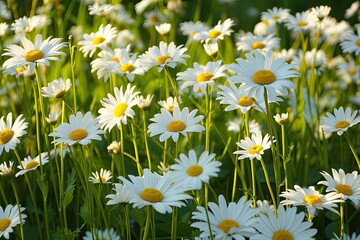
pixel 57 88
pixel 321 11
pixel 275 14
pixel 100 10
pixel 259 72
pixel 286 224
pixel 164 55
pixel 100 39
pixel 25 25
pixel 80 129
pixel 4 29
pixel 253 147
pixel 281 119
pixel 250 43
pixel 114 147
pixel 348 185
pixel 171 125
pixel 142 5
pixel 351 11
pixel 227 221
pixel 351 43
pixel 10 133
pixel 201 75
pixel 53 117
pixel 193 172
pixel 153 18
pixel 4 11
pixel 233 125
pixel 190 28
pixel 38 52
pixel 30 164
pixel 216 33
pixel 311 199
pixel 157 191
pixel 354 236
pixel 265 207
pixel 103 64
pixel 107 234
pixel 349 71
pixel 144 103
pixel 169 104
pixel 126 64
pixel 211 49
pixel 122 196
pixel 5 170
pixel 303 21
pixel 163 28
pixel 9 218
pixel 340 121
pixel 103 177
pixel 116 109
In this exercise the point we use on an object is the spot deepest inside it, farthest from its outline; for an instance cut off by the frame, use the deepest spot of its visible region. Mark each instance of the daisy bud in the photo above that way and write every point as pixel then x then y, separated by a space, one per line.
pixel 211 49
pixel 281 120
pixel 7 171
pixel 114 147
pixel 53 117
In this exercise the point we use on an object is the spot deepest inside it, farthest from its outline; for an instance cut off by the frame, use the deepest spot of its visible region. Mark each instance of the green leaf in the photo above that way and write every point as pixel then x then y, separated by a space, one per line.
pixel 69 190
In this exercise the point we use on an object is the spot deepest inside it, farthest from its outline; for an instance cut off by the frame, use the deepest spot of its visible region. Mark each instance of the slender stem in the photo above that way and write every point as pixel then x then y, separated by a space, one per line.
pixel 173 84
pixel 147 223
pixel 127 222
pixel 18 205
pixel 122 164
pixel 174 223
pixel 284 155
pixel 35 206
pixel 352 149
pixel 206 192
pixel 268 183
pixel 165 149
pixel 72 50
pixel 146 142
pixel 341 220
pixel 140 171
pixel 208 99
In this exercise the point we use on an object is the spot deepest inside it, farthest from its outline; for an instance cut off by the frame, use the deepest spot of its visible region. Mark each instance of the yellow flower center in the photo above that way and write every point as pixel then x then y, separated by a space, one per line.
pixel 154 20
pixel 170 108
pixel 204 77
pixel 120 109
pixel 194 170
pixel 127 67
pixel 151 195
pixel 255 149
pixel 263 77
pixel 275 17
pixel 114 59
pixel 176 126
pixel 60 94
pixel 214 33
pixel 342 124
pixel 192 33
pixel 98 40
pixel 258 45
pixel 33 55
pixel 302 23
pixel 312 199
pixel 227 224
pixel 20 70
pixel 162 59
pixel 78 134
pixel 244 101
pixel 357 42
pixel 352 71
pixel 265 22
pixel 32 164
pixel 344 189
pixel 5 136
pixel 282 235
pixel 4 224
pixel 101 179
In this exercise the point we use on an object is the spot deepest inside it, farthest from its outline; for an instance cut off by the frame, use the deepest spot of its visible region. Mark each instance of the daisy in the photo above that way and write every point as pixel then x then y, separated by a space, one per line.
pixel 351 11
pixel 164 55
pixel 286 224
pixel 348 71
pixel 103 64
pixel 4 11
pixel 142 5
pixel 5 170
pixel 53 117
pixel 260 73
pixel 121 17
pixel 163 28
pixel 38 52
pixel 311 199
pixel 100 39
pixel 171 125
pixel 354 236
pixel 190 28
pixel 216 33
pixel 122 196
pixel 10 133
pixel 114 147
pixel 265 27
pixel 254 147
pixel 116 109
pixel 321 11
pixel 233 125
pixel 211 49
pixel 4 29
pixel 160 192
pixel 25 25
pixel 30 164
pixel 169 104
pixel 153 18
pixel 80 129
pixel 250 43
pixel 265 207
pixel 340 121
pixel 103 177
pixel 348 185
pixel 193 172
pixel 281 119
pixel 57 88
pixel 144 103
pixel 201 75
pixel 275 14
pixel 107 234
pixel 9 218
pixel 227 221
pixel 351 43
pixel 100 10
pixel 303 21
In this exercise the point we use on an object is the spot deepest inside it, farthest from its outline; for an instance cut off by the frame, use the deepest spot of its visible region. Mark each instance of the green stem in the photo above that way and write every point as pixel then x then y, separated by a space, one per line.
pixel 122 164
pixel 18 205
pixel 146 142
pixel 341 220
pixel 165 149
pixel 72 50
pixel 173 84
pixel 284 156
pixel 127 222
pixel 147 223
pixel 268 183
pixel 174 223
pixel 140 171
pixel 352 149
pixel 206 192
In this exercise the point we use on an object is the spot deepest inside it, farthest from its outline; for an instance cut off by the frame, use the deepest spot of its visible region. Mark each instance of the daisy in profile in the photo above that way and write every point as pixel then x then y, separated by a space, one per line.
pixel 351 43
pixel 101 234
pixel 116 109
pixel 302 21
pixel 190 28
pixel 211 49
pixel 163 28
pixel 265 207
pixel 216 33
pixel 80 129
pixel 144 103
pixel 5 170
pixel 10 133
pixel 9 218
pixel 233 125
pixel 100 10
pixel 32 53
pixel 157 191
pixel 321 11
pixel 162 56
pixel 340 121
pixel 250 43
pixel 200 76
pixel 171 125
pixel 193 172
pixel 259 73
pixel 122 196
pixel 227 221
pixel 253 147
pixel 143 4
pixel 275 14
pixel 99 39
pixel 114 147
pixel 169 104
pixel 348 185
pixel 351 11
pixel 127 64
pixel 30 164
pixel 286 224
pixel 311 199
pixel 57 88
pixel 281 119
pixel 103 177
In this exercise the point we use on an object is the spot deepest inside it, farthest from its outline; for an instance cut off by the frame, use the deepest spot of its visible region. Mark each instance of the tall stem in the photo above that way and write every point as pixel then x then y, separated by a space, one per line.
pixel 268 183
pixel 352 149
pixel 145 140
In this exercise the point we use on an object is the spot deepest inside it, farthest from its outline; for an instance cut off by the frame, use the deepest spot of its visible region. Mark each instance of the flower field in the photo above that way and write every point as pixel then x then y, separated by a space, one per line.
pixel 174 119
